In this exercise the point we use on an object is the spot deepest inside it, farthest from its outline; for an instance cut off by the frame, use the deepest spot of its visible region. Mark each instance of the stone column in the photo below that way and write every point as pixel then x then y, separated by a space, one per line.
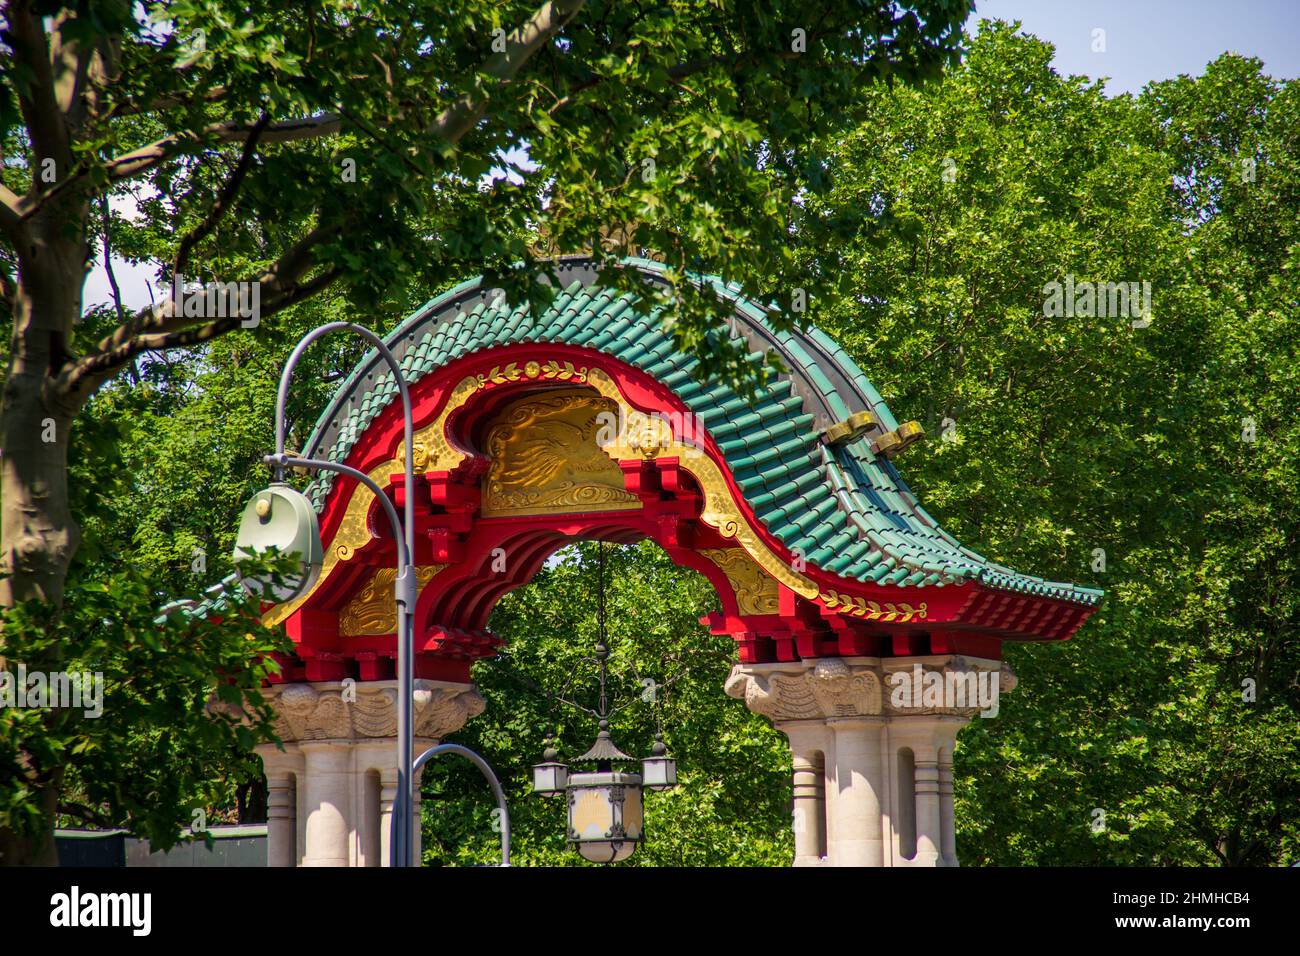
pixel 866 725
pixel 808 757
pixel 387 799
pixel 339 733
pixel 935 698
pixel 844 701
pixel 859 778
pixel 947 816
pixel 919 734
pixel 330 819
pixel 283 769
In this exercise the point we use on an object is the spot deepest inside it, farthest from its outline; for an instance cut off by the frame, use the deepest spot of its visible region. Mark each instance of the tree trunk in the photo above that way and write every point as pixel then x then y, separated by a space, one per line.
pixel 38 848
pixel 38 535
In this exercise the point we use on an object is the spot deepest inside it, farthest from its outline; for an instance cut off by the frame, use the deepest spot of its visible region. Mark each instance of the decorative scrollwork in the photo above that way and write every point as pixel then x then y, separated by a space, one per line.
pixel 756 592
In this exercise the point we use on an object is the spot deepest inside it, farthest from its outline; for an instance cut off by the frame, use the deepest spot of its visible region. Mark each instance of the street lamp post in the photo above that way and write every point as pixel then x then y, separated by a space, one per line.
pixel 404 587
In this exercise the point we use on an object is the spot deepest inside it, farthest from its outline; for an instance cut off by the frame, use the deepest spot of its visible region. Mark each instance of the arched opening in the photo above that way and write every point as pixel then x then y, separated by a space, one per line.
pixel 732 806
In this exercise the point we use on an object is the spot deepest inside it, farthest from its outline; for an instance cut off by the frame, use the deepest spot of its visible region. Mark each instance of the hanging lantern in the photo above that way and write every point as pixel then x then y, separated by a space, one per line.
pixel 659 771
pixel 606 815
pixel 550 777
pixel 605 812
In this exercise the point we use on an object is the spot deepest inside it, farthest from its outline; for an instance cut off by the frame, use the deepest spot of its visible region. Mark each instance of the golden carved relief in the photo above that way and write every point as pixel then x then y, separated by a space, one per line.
pixel 545 458
pixel 372 610
pixel 756 592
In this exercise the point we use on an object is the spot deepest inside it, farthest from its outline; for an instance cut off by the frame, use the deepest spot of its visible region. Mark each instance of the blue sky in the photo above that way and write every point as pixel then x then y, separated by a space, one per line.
pixel 1149 40
pixel 1144 40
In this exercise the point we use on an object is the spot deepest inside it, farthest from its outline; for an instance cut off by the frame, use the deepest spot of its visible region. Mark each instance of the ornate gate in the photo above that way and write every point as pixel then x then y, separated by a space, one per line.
pixel 586 423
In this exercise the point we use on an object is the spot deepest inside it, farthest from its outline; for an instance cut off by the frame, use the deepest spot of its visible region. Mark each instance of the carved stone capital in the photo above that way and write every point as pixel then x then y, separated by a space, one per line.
pixel 833 687
pixel 829 687
pixel 338 710
pixel 950 685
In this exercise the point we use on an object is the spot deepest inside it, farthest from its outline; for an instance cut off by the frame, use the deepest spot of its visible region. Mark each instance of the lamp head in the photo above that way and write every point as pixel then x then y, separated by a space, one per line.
pixel 281 518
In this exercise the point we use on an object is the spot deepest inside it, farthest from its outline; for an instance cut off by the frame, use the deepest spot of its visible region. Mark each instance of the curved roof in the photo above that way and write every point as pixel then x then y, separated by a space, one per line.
pixel 844 508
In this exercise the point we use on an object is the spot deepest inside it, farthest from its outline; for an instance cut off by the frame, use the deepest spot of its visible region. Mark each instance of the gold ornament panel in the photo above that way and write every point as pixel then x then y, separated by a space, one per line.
pixel 373 610
pixel 756 593
pixel 545 459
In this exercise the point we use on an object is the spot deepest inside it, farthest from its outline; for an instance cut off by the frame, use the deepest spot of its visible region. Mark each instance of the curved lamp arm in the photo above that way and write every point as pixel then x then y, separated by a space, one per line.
pixel 405 587
pixel 282 461
pixel 492 780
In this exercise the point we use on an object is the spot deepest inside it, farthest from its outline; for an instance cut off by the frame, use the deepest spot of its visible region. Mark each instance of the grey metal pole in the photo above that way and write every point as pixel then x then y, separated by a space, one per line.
pixel 404 587
pixel 486 769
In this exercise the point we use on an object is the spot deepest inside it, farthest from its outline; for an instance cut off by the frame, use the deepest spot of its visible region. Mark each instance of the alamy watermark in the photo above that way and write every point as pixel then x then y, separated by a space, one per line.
pixel 945 690
pixel 219 300
pixel 57 690
pixel 649 432
pixel 1103 300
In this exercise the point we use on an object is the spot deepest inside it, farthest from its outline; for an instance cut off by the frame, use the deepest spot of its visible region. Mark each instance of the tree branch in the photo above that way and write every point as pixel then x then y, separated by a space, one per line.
pixel 459 118
pixel 11 219
pixel 223 201
pixel 160 327
pixel 85 814
pixel 36 99
pixel 142 160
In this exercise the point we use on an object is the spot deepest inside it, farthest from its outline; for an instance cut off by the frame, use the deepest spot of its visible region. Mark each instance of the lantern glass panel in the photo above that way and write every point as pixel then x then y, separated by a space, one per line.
pixel 605 815
pixel 550 777
pixel 659 773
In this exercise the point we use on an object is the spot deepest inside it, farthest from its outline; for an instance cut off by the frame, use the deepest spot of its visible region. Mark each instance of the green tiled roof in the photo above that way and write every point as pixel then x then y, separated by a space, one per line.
pixel 845 509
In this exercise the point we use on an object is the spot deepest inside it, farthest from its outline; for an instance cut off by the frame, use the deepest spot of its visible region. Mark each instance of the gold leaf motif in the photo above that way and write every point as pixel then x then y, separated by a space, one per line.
pixel 373 610
pixel 858 606
pixel 499 375
pixel 545 459
pixel 756 592
pixel 565 371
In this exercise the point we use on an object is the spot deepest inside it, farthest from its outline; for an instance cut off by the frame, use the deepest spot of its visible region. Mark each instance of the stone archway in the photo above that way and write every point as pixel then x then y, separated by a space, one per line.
pixel 585 422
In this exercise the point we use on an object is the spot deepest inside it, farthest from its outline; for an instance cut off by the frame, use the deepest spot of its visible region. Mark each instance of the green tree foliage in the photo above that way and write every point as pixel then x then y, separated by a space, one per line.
pixel 1170 447
pixel 172 706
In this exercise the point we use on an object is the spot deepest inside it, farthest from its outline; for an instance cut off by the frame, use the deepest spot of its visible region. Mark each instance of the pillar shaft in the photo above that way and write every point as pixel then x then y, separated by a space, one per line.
pixel 927 806
pixel 808 759
pixel 947 821
pixel 328 803
pixel 281 821
pixel 859 781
